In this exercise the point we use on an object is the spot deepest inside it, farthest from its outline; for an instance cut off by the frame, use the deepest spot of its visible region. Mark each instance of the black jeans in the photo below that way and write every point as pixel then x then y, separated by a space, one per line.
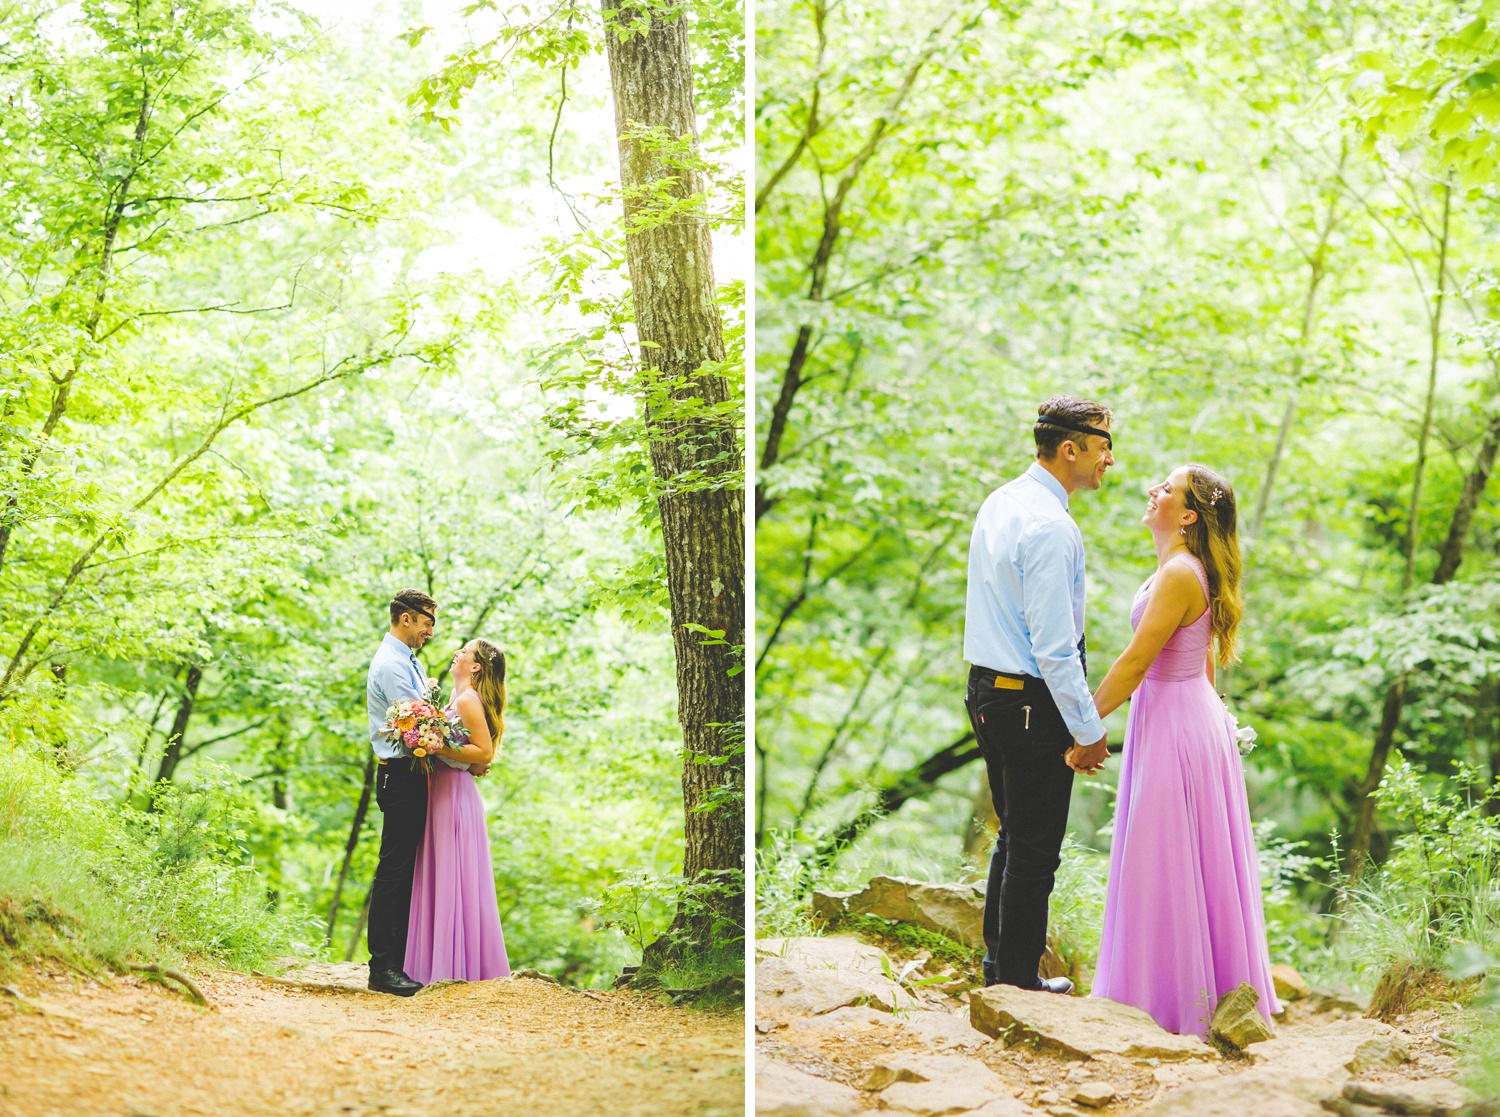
pixel 401 792
pixel 1022 737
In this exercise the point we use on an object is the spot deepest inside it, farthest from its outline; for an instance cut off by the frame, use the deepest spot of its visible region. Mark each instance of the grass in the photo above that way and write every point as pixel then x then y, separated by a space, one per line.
pixel 96 885
pixel 712 979
pixel 905 938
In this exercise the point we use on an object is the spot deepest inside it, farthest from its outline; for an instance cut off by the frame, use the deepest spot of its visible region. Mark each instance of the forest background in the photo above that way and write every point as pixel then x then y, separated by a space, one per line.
pixel 300 305
pixel 1265 236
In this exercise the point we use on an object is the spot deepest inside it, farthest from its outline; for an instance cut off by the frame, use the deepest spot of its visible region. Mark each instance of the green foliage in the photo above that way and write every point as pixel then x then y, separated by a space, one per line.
pixel 1434 904
pixel 287 342
pixel 962 212
pixel 910 939
pixel 94 884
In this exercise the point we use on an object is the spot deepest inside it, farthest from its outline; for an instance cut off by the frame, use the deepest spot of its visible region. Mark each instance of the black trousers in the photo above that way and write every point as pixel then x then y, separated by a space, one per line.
pixel 1022 737
pixel 401 792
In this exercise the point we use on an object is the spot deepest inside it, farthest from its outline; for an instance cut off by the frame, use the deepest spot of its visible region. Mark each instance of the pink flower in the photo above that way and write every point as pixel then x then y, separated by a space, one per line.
pixel 411 737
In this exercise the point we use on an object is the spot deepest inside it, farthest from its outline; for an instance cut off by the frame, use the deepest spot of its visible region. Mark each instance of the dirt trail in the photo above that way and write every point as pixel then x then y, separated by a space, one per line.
pixel 524 1046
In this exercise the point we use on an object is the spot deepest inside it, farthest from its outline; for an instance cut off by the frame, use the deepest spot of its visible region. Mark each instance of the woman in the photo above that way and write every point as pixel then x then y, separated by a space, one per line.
pixel 1183 922
pixel 454 931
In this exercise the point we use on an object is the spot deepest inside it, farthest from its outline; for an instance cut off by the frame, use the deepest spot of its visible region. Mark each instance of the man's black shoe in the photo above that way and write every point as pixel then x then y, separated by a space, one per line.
pixel 395 981
pixel 1054 985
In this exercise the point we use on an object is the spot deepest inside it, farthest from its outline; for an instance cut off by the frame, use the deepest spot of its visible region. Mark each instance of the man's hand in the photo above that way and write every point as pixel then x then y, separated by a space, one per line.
pixel 478 769
pixel 1088 759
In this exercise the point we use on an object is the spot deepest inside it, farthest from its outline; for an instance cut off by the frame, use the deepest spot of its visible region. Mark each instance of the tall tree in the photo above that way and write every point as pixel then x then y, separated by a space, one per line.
pixel 693 445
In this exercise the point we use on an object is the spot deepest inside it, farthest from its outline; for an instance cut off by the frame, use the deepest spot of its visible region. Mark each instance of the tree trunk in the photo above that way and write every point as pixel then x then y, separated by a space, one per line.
pixel 1492 804
pixel 173 754
pixel 360 811
pixel 1463 513
pixel 695 453
pixel 359 927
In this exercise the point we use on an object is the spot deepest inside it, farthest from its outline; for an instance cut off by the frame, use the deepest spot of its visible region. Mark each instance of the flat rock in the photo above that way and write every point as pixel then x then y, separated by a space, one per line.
pixel 899 1067
pixel 1242 1095
pixel 1078 1027
pixel 1423 1096
pixel 1237 1020
pixel 1381 1051
pixel 954 910
pixel 828 906
pixel 934 1085
pixel 1095 1094
pixel 1321 1051
pixel 786 989
pixel 944 1031
pixel 856 1017
pixel 833 952
pixel 1338 1000
pixel 1175 1074
pixel 1289 984
pixel 782 1090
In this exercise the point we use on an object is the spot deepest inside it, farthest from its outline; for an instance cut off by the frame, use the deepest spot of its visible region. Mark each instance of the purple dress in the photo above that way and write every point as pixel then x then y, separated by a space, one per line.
pixel 454 930
pixel 1183 922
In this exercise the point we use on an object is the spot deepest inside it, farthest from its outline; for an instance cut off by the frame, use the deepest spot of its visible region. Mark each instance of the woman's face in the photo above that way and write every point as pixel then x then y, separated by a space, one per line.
pixel 463 662
pixel 1166 503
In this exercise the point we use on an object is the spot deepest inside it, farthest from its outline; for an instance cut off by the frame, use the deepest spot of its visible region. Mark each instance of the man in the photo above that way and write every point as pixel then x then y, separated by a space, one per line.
pixel 1028 696
pixel 400 789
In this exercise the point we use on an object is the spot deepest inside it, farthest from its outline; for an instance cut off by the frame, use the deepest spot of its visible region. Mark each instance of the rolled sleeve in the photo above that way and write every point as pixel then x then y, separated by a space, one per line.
pixel 1050 556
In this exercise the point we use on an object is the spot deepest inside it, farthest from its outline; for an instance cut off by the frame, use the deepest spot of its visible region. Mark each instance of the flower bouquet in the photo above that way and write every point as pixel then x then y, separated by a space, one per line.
pixel 420 727
pixel 1244 735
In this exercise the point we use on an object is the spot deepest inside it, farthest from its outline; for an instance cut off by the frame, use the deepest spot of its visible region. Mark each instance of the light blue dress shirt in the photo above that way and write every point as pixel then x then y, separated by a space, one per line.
pixel 395 676
pixel 1025 603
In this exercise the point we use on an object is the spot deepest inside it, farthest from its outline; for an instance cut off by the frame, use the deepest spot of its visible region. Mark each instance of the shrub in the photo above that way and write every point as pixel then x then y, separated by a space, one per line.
pixel 96 884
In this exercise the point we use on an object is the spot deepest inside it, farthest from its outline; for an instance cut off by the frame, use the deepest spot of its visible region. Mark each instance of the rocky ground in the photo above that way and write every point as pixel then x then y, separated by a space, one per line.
pixel 843 1027
pixel 316 1043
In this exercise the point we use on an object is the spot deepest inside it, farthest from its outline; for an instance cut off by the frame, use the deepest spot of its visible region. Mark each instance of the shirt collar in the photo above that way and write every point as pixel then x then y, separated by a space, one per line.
pixel 398 647
pixel 1039 474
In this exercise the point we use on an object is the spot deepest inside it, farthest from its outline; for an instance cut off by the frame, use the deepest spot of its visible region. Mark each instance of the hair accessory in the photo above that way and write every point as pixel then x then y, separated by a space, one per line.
pixel 1072 425
pixel 412 607
pixel 1215 498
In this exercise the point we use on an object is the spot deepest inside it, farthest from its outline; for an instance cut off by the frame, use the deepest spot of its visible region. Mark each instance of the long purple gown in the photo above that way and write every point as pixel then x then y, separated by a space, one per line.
pixel 454 930
pixel 1183 921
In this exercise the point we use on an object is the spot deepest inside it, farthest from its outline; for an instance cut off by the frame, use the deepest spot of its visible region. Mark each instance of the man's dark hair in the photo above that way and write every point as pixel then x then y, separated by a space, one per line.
pixel 1081 412
pixel 412 601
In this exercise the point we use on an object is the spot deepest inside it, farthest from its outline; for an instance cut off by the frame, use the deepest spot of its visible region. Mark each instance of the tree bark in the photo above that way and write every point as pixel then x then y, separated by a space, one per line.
pixel 695 452
pixel 173 755
pixel 1435 321
pixel 359 927
pixel 361 809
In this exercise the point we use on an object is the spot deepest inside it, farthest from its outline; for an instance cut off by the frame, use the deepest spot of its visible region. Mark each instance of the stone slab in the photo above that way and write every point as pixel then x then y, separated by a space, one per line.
pixel 1077 1027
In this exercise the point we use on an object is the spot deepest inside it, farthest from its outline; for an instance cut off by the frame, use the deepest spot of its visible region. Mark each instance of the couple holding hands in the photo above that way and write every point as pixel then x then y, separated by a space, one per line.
pixel 1183 917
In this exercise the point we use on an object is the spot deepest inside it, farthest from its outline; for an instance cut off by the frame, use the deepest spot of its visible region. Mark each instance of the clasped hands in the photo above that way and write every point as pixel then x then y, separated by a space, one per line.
pixel 1086 760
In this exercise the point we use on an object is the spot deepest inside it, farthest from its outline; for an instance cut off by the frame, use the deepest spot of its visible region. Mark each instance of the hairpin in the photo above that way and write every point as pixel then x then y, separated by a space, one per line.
pixel 1215 498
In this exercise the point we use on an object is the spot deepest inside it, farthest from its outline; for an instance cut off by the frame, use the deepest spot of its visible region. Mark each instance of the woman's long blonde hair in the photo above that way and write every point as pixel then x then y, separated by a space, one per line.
pixel 1212 538
pixel 490 683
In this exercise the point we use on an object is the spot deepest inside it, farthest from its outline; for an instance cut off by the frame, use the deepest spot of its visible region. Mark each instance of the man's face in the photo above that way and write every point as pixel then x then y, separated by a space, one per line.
pixel 415 629
pixel 422 626
pixel 1090 464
